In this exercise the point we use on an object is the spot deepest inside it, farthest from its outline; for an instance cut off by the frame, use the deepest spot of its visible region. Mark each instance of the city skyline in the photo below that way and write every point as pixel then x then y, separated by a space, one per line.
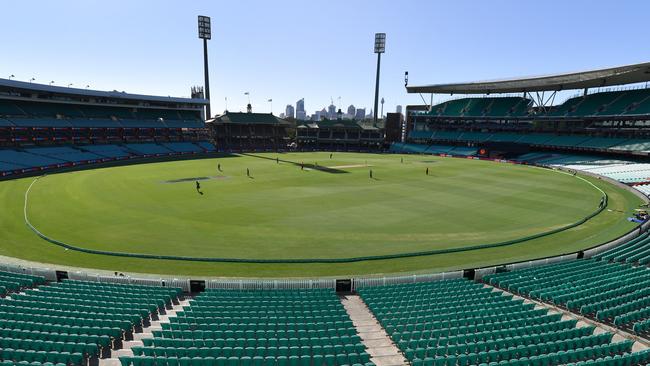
pixel 155 50
pixel 327 112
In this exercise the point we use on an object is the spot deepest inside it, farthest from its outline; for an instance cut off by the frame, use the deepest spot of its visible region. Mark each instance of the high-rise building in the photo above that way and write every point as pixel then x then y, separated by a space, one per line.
pixel 351 112
pixel 300 106
pixel 398 109
pixel 360 114
pixel 289 112
pixel 301 115
pixel 331 111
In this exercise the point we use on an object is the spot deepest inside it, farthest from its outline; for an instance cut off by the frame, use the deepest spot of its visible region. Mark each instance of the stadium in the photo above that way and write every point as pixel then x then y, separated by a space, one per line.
pixel 506 224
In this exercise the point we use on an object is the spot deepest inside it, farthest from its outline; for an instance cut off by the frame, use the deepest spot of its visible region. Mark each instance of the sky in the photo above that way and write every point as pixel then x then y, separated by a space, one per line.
pixel 320 50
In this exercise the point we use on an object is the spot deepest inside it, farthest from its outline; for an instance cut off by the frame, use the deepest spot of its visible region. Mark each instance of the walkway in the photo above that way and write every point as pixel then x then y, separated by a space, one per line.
pixel 382 350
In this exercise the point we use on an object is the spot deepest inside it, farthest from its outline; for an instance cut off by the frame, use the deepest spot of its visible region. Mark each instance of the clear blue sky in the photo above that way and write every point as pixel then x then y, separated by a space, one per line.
pixel 314 49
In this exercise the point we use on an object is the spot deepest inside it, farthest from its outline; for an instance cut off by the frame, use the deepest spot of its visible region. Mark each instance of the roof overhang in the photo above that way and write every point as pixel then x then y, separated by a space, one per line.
pixel 620 75
pixel 77 92
pixel 244 118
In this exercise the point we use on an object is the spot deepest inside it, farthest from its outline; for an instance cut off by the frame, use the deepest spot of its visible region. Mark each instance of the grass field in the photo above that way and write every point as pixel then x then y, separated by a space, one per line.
pixel 281 212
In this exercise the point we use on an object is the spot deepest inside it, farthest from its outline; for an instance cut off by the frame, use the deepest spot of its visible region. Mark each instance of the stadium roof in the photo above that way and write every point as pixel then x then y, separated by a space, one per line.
pixel 336 123
pixel 248 118
pixel 23 85
pixel 620 75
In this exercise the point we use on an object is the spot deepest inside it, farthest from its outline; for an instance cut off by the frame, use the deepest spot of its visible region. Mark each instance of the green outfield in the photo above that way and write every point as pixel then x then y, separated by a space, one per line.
pixel 329 209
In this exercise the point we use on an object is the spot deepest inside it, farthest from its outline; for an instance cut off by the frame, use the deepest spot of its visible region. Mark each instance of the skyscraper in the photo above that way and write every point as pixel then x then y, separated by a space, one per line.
pixel 331 112
pixel 351 112
pixel 288 112
pixel 398 109
pixel 360 114
pixel 300 109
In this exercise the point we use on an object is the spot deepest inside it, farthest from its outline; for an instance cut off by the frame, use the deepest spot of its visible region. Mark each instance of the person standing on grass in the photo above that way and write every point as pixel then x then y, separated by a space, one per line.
pixel 370 173
pixel 330 155
pixel 248 172
pixel 427 170
pixel 277 160
pixel 198 187
pixel 219 167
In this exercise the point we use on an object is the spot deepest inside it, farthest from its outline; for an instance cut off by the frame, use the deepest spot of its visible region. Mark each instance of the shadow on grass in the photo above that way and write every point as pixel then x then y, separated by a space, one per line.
pixel 319 168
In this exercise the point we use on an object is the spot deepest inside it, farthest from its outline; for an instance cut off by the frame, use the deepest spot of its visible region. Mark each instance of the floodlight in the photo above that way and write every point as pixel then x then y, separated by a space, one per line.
pixel 380 42
pixel 205 31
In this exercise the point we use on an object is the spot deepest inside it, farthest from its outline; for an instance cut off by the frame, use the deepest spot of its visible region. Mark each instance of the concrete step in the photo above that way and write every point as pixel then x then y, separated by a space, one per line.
pixel 141 336
pixel 396 360
pixel 121 352
pixel 110 362
pixel 380 347
pixel 134 342
pixel 138 337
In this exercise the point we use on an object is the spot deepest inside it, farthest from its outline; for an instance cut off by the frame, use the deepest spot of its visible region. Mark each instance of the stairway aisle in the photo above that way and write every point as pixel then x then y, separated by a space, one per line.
pixel 382 350
pixel 146 333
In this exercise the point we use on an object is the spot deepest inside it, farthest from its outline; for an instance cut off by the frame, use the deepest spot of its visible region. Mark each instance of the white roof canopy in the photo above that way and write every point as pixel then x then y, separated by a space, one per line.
pixel 620 75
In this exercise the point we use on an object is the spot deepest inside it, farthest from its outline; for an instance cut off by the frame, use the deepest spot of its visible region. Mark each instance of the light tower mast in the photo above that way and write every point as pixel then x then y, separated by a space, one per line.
pixel 380 47
pixel 205 33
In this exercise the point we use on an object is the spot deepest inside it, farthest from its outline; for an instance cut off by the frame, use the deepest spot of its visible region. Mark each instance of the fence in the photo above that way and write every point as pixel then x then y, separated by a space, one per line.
pixel 358 283
pixel 242 284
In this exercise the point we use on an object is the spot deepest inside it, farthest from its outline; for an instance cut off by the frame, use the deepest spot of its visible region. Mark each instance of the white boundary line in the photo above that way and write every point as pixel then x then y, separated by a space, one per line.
pixel 29 224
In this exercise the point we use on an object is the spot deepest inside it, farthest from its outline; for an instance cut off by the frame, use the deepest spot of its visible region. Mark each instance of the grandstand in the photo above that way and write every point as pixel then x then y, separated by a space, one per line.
pixel 281 327
pixel 612 286
pixel 458 322
pixel 340 134
pixel 238 131
pixel 536 140
pixel 73 322
pixel 599 131
pixel 440 322
pixel 45 127
pixel 599 104
pixel 608 121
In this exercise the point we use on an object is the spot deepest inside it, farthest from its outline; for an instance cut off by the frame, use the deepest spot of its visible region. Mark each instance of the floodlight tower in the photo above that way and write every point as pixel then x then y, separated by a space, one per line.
pixel 380 47
pixel 205 33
